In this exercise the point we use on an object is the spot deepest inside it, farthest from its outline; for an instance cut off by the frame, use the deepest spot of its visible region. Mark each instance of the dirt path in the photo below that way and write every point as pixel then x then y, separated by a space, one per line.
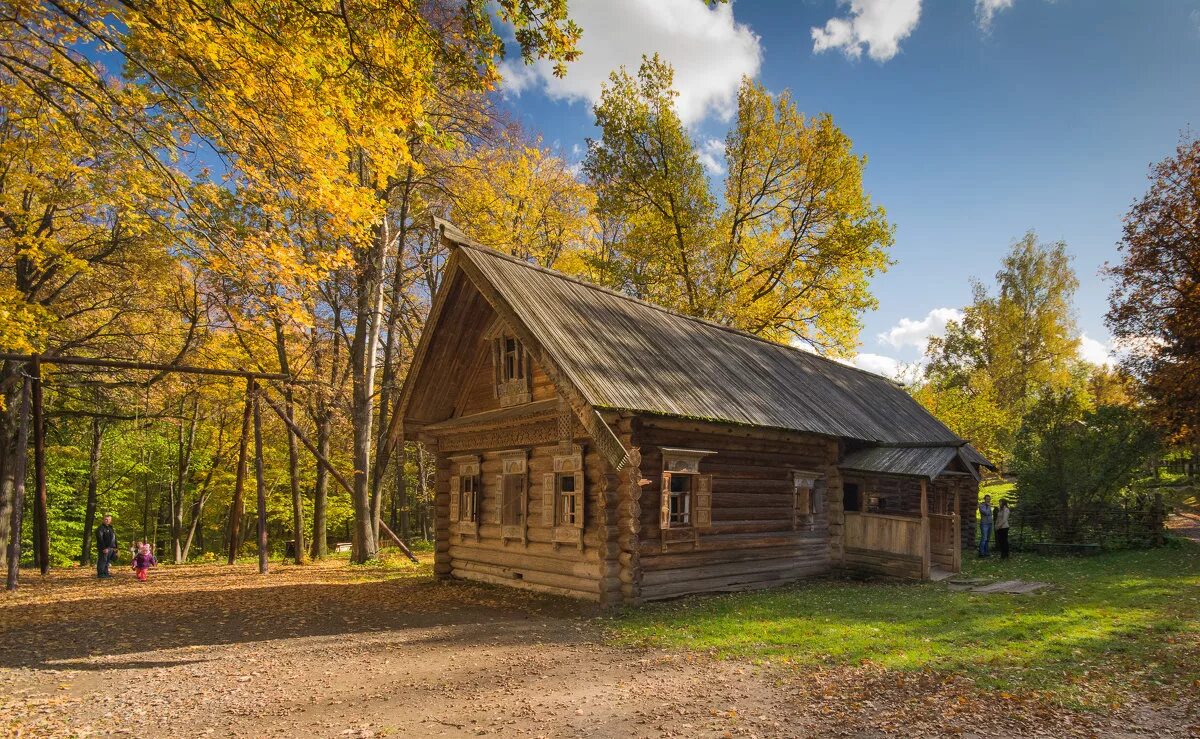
pixel 330 651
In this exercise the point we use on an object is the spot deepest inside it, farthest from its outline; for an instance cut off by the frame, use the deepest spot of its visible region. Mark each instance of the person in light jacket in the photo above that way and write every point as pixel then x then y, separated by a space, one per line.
pixel 985 524
pixel 1002 528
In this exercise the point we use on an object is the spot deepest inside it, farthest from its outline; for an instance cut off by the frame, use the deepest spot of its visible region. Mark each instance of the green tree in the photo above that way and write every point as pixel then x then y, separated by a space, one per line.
pixel 1070 457
pixel 787 255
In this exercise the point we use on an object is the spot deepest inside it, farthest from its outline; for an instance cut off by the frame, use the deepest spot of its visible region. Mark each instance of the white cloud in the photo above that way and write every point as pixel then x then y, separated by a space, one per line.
pixel 986 10
pixel 909 332
pixel 877 363
pixel 712 156
pixel 708 48
pixel 1093 351
pixel 878 25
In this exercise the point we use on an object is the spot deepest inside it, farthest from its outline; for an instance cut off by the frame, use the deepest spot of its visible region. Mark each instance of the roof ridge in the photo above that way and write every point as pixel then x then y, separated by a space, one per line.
pixel 669 311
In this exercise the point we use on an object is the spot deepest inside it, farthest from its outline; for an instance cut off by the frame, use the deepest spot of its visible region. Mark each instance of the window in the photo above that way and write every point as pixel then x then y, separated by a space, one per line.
pixel 513 493
pixel 511 369
pixel 465 492
pixel 807 489
pixel 681 500
pixel 513 366
pixel 512 507
pixel 570 513
pixel 850 496
pixel 563 497
pixel 686 494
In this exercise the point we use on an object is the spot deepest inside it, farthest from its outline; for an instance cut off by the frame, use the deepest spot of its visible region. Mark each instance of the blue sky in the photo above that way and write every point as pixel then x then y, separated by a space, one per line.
pixel 981 119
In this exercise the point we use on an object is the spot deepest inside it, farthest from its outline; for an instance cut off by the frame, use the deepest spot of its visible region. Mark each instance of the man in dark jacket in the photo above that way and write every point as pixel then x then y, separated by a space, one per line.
pixel 106 547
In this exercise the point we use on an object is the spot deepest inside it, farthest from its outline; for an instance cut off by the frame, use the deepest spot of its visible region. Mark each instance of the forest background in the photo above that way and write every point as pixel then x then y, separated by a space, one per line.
pixel 253 186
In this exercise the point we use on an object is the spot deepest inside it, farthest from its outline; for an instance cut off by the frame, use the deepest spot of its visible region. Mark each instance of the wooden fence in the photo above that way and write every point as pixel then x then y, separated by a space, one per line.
pixel 1107 527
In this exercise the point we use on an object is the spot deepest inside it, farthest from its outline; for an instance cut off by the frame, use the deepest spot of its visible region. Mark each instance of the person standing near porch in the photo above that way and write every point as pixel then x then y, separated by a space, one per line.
pixel 106 547
pixel 1002 528
pixel 985 524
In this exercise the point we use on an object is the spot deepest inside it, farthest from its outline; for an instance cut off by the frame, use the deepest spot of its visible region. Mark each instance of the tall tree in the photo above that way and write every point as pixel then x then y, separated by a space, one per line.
pixel 789 252
pixel 1155 300
pixel 1010 347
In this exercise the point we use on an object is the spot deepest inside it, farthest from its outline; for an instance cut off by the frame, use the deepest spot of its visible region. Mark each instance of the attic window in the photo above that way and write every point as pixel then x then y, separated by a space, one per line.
pixel 510 363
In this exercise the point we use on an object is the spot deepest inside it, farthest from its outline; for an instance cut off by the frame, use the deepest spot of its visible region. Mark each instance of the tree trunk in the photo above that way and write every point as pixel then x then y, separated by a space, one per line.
pixel 364 360
pixel 401 499
pixel 18 499
pixel 239 485
pixel 89 516
pixel 186 445
pixel 10 386
pixel 261 486
pixel 321 493
pixel 293 452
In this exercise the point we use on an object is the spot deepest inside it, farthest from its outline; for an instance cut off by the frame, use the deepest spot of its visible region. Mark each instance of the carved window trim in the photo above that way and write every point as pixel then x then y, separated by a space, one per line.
pixel 808 498
pixel 513 480
pixel 693 505
pixel 466 494
pixel 568 465
pixel 511 367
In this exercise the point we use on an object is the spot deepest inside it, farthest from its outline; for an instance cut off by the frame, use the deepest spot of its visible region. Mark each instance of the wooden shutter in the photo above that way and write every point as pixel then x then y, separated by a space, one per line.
pixel 499 499
pixel 455 482
pixel 548 493
pixel 664 518
pixel 478 502
pixel 702 502
pixel 579 499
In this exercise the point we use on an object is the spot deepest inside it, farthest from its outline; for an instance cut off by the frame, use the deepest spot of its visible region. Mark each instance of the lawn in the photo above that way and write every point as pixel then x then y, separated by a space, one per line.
pixel 1117 622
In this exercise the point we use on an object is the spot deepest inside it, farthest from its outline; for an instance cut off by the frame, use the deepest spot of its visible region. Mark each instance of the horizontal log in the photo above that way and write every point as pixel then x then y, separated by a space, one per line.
pixel 545 561
pixel 508 576
pixel 653 578
pixel 538 587
pixel 668 561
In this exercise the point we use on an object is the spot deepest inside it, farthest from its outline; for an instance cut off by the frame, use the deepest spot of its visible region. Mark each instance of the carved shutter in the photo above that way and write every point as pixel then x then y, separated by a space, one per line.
pixel 478 502
pixel 548 493
pixel 702 502
pixel 579 498
pixel 455 488
pixel 664 518
pixel 499 517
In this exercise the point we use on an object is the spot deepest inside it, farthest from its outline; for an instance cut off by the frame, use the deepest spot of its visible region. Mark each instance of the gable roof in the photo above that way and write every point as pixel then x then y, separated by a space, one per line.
pixel 626 354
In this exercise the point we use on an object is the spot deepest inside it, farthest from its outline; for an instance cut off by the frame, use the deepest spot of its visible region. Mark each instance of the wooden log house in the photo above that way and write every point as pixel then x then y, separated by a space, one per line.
pixel 594 445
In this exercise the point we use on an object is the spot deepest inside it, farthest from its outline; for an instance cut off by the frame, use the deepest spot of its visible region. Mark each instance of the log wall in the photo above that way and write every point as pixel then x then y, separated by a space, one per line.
pixel 534 560
pixel 752 542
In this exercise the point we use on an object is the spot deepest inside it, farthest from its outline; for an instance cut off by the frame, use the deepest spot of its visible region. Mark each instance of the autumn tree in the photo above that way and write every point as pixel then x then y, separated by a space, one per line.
pixel 1155 300
pixel 788 253
pixel 1010 346
pixel 520 198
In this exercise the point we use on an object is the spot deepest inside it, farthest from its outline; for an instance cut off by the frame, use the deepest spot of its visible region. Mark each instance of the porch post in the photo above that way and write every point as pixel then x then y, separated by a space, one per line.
pixel 924 529
pixel 957 529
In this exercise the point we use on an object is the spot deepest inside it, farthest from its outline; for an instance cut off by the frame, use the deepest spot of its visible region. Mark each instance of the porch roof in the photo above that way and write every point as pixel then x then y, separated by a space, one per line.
pixel 909 461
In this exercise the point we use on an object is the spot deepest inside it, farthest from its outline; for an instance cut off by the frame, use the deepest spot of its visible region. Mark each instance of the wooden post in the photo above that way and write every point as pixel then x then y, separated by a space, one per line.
pixel 924 529
pixel 41 527
pixel 239 485
pixel 957 529
pixel 18 501
pixel 322 460
pixel 261 485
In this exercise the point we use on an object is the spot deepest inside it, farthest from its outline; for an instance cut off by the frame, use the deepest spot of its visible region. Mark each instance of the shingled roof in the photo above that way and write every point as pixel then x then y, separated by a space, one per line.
pixel 626 354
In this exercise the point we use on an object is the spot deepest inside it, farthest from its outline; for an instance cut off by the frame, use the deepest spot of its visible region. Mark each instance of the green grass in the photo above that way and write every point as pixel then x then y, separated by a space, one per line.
pixel 1114 622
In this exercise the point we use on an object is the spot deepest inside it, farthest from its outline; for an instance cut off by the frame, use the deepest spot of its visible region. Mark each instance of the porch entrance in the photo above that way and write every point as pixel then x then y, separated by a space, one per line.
pixel 904 526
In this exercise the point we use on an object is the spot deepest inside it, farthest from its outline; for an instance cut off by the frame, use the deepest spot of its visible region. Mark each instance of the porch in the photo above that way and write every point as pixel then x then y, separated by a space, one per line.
pixel 902 510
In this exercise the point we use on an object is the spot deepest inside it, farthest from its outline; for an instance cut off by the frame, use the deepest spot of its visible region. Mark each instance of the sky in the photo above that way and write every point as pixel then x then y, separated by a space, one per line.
pixel 980 119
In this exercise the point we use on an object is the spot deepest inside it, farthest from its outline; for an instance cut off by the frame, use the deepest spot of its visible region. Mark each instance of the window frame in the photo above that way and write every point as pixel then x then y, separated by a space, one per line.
pixel 695 502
